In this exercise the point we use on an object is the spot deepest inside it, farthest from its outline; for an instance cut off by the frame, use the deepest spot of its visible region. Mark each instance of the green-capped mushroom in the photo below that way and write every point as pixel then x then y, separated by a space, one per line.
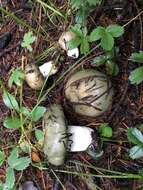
pixel 33 77
pixel 90 92
pixel 55 140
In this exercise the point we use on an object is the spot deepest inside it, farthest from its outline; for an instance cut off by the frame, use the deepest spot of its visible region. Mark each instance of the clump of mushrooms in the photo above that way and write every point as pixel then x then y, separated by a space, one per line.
pixel 35 76
pixel 90 92
pixel 64 39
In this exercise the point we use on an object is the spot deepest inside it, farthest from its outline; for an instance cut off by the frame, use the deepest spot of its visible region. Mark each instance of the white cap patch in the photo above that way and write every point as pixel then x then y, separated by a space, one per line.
pixel 74 53
pixel 48 69
pixel 80 139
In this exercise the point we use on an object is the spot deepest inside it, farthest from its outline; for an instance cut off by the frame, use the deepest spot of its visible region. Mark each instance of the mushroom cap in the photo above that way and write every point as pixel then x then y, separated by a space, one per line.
pixel 33 77
pixel 64 38
pixel 90 92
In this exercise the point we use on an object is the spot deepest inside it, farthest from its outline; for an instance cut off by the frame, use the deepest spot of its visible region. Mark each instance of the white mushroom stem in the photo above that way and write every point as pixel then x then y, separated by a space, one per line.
pixel 80 139
pixel 48 69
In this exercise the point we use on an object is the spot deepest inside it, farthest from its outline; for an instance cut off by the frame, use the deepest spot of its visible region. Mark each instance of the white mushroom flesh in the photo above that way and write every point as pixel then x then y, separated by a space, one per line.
pixel 80 139
pixel 48 69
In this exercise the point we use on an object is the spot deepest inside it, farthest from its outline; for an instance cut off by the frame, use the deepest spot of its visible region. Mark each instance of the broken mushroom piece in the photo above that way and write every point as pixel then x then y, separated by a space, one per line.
pixel 66 37
pixel 80 138
pixel 48 69
pixel 55 140
pixel 90 92
pixel 33 77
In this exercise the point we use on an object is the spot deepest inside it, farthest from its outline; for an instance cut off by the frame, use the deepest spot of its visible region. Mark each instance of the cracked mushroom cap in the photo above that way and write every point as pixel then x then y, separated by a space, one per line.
pixel 90 92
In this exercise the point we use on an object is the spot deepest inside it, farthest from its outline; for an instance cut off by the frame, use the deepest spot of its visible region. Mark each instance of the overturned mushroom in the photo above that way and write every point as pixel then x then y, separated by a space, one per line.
pixel 64 39
pixel 34 75
pixel 55 140
pixel 90 92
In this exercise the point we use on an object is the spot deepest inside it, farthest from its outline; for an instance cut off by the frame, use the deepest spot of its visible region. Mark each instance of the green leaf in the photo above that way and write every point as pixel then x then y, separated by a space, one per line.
pixel 136 152
pixel 12 123
pixel 77 30
pixel 10 101
pixel 28 39
pixel 115 30
pixel 13 156
pixel 73 43
pixel 75 3
pixel 2 157
pixel 82 15
pixel 25 146
pixel 96 34
pixel 21 163
pixel 10 179
pixel 24 111
pixel 105 130
pixel 112 68
pixel 107 41
pixel 37 113
pixel 94 2
pixel 39 135
pixel 84 47
pixel 16 77
pixel 135 136
pixel 18 163
pixel 138 57
pixel 100 60
pixel 136 76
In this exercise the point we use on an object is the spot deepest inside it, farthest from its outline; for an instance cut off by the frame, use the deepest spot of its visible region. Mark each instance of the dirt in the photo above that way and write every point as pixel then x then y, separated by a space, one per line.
pixel 127 109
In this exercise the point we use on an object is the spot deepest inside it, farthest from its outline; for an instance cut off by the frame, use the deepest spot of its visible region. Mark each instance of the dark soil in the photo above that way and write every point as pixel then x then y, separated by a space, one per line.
pixel 127 109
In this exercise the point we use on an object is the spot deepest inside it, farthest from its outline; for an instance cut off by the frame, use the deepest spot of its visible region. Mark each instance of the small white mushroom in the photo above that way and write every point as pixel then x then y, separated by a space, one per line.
pixel 80 139
pixel 66 37
pixel 35 76
pixel 90 92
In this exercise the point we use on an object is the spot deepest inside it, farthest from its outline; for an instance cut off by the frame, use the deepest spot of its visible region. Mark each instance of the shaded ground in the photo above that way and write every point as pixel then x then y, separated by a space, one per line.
pixel 127 110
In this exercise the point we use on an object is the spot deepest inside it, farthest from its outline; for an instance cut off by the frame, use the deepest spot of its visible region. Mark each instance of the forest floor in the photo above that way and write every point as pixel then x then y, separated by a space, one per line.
pixel 19 17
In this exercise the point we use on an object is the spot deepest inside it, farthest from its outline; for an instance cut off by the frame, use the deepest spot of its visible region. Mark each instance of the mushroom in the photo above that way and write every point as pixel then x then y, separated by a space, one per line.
pixel 90 92
pixel 66 37
pixel 55 140
pixel 35 76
